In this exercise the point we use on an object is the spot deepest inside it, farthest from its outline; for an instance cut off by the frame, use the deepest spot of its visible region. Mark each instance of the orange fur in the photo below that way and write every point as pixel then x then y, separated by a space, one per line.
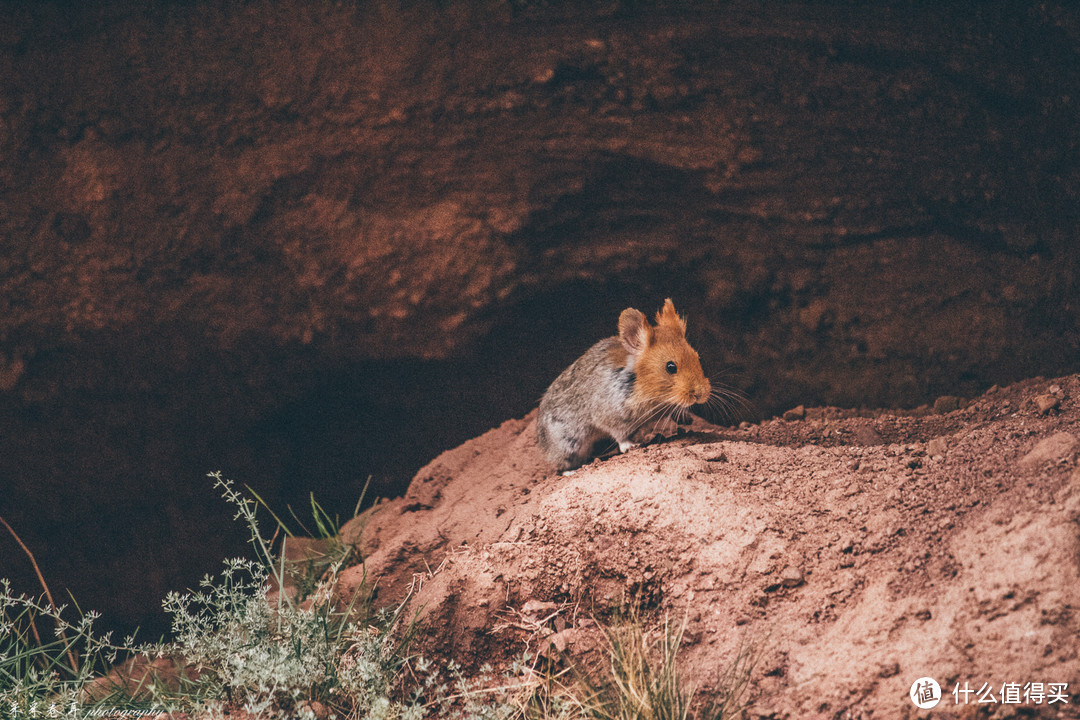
pixel 668 344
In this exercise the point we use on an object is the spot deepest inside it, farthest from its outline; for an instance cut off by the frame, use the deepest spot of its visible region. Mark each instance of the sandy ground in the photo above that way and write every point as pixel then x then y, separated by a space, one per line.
pixel 855 551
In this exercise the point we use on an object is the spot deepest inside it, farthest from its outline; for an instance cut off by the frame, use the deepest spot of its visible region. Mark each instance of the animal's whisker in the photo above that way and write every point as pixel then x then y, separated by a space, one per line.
pixel 730 403
pixel 661 418
pixel 652 413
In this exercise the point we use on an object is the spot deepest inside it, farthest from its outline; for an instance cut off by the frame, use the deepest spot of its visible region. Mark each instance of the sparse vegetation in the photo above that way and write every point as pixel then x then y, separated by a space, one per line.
pixel 261 641
pixel 37 675
pixel 261 638
pixel 644 681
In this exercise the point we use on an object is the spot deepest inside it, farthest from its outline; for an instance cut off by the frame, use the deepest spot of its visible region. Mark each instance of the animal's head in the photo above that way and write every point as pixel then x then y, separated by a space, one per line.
pixel 668 369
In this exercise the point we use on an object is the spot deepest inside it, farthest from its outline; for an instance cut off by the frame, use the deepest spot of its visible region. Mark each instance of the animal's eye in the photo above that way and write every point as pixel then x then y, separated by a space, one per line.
pixel 672 368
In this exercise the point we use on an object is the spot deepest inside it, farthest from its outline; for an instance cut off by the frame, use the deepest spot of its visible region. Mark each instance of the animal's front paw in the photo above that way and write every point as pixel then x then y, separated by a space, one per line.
pixel 626 445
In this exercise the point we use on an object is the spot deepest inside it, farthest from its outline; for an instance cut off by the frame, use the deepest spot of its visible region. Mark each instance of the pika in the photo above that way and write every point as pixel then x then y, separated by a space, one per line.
pixel 619 384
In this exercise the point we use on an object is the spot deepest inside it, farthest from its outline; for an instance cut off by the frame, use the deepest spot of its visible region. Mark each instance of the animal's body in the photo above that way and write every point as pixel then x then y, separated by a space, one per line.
pixel 619 384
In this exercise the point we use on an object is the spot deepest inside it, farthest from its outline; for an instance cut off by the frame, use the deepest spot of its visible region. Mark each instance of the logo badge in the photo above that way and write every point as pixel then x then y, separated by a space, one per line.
pixel 925 693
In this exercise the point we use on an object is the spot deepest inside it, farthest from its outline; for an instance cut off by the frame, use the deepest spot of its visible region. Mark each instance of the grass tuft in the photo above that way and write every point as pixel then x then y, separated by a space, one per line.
pixel 642 682
pixel 645 681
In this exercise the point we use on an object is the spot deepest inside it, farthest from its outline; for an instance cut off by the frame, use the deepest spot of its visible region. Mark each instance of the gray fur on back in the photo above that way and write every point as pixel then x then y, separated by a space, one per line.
pixel 590 400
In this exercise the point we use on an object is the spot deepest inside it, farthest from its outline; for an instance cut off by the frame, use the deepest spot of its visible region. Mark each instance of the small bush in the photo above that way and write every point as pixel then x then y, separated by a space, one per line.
pixel 234 645
pixel 39 677
pixel 275 657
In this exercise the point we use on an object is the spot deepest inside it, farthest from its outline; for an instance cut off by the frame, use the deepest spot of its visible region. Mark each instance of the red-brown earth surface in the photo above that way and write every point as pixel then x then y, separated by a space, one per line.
pixel 856 552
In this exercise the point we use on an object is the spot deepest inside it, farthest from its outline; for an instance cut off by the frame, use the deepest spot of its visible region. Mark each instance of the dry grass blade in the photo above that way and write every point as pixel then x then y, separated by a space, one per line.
pixel 645 674
pixel 48 595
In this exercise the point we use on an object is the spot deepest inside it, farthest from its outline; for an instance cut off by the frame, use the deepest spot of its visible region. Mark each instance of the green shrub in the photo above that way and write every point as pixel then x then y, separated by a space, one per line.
pixel 275 656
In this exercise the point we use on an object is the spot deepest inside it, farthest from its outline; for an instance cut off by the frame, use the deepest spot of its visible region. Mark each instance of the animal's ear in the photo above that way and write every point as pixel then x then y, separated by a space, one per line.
pixel 634 331
pixel 667 316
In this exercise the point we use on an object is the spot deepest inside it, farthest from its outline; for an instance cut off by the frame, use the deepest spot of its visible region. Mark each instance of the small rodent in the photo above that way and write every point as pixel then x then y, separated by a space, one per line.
pixel 619 384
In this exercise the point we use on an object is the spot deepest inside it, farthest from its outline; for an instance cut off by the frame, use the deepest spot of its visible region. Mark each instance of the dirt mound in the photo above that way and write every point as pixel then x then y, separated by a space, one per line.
pixel 858 551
